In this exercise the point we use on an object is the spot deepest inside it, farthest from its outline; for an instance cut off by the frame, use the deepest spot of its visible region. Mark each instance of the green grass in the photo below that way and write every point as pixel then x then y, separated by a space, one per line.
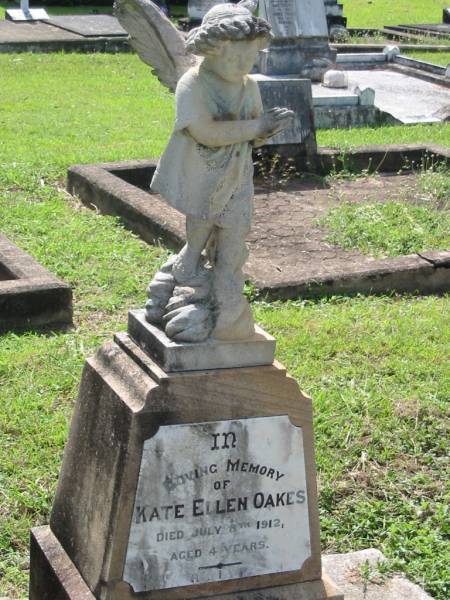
pixel 437 58
pixel 376 14
pixel 65 104
pixel 61 108
pixel 380 386
pixel 375 366
pixel 438 133
pixel 389 229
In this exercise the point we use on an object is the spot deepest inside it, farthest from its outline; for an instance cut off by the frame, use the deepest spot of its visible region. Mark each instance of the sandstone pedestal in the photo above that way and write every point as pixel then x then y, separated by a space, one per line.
pixel 179 485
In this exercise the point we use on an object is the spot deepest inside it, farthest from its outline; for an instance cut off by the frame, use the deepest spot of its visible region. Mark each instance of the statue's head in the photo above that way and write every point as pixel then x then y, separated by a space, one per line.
pixel 227 23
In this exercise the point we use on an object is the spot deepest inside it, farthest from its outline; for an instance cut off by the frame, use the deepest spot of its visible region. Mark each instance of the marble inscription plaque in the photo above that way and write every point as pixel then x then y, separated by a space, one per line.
pixel 219 500
pixel 295 18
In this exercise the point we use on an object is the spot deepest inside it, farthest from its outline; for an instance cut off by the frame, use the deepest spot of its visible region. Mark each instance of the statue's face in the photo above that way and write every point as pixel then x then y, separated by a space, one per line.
pixel 235 59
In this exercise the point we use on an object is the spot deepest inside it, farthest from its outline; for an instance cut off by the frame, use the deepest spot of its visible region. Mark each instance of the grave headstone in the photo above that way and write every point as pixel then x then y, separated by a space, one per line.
pixel 295 18
pixel 197 9
pixel 183 484
pixel 337 23
pixel 300 46
pixel 295 94
pixel 190 470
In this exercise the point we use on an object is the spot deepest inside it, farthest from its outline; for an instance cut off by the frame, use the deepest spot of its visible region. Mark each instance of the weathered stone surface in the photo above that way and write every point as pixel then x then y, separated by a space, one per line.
pixel 25 14
pixel 300 45
pixel 366 96
pixel 344 569
pixel 237 492
pixel 439 29
pixel 124 399
pixel 30 296
pixel 337 23
pixel 346 116
pixel 403 96
pixel 66 584
pixel 89 25
pixel 335 79
pixel 43 37
pixel 197 9
pixel 391 52
pixel 295 18
pixel 53 575
pixel 296 95
pixel 210 354
pixel 302 57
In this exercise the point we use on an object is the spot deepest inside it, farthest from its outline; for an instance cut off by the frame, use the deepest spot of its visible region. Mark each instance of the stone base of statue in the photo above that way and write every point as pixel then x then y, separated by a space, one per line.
pixel 183 484
pixel 211 354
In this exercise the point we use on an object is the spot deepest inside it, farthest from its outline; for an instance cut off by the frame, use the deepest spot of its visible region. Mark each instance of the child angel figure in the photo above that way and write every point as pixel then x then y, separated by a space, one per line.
pixel 206 172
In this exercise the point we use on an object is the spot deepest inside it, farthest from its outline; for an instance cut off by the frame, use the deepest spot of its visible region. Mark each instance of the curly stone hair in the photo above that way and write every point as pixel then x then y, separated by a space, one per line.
pixel 226 22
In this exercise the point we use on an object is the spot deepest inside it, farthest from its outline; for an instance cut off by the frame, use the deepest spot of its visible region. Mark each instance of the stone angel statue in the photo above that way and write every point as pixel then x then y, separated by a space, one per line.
pixel 206 171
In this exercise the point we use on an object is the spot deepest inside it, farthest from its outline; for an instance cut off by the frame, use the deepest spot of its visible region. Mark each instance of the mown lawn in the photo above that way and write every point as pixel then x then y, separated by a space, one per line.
pixel 375 366
pixel 360 13
pixel 437 58
pixel 376 14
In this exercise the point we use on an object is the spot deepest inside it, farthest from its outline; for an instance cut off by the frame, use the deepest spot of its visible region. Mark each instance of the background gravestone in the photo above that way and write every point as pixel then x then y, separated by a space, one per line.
pixel 197 9
pixel 337 23
pixel 300 46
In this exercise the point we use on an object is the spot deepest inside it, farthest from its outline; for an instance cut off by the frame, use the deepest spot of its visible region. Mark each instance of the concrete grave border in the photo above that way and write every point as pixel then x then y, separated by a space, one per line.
pixel 32 297
pixel 118 189
pixel 109 45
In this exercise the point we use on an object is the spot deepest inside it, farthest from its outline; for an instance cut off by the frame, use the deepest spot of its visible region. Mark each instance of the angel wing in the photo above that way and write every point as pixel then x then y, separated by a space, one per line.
pixel 157 42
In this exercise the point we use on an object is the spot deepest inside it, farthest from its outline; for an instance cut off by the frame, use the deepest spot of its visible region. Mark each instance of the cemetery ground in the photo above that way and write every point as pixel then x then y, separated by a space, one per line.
pixel 375 366
pixel 376 14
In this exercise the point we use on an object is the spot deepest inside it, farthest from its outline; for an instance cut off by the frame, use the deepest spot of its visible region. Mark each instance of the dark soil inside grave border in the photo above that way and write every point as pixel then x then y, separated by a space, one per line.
pixel 289 248
pixel 289 256
pixel 5 274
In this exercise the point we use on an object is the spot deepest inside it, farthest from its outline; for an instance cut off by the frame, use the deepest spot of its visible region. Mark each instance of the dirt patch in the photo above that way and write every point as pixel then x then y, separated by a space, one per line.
pixel 289 256
pixel 286 243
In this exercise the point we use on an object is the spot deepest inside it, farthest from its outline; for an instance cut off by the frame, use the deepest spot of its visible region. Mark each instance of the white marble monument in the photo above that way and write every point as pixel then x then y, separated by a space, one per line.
pixel 206 172
pixel 300 46
pixel 219 515
pixel 190 470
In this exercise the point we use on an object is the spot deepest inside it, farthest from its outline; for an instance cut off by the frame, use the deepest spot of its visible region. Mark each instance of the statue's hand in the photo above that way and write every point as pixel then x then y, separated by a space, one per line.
pixel 275 120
